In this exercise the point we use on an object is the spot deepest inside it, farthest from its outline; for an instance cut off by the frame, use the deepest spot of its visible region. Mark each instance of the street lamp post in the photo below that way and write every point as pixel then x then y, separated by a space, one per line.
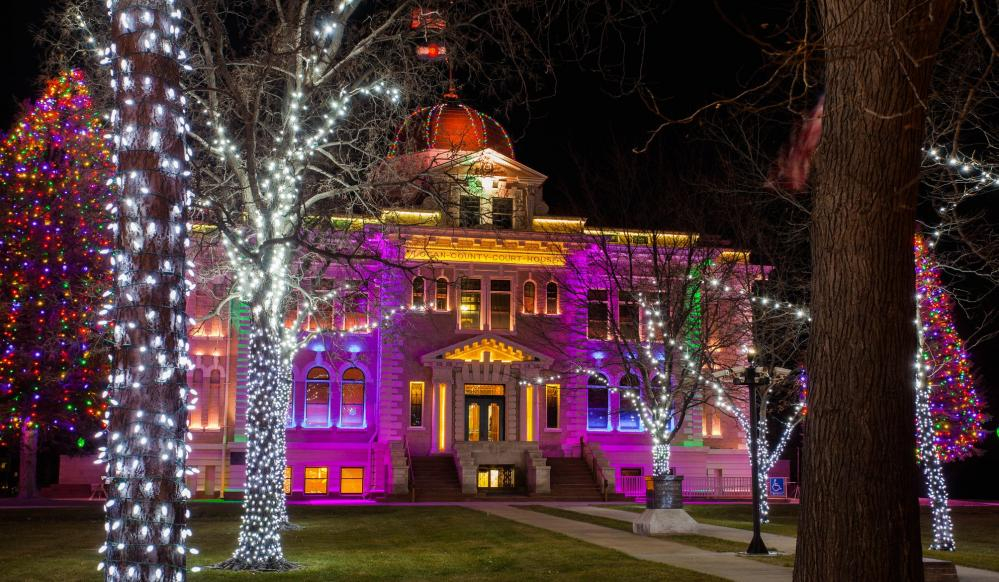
pixel 756 545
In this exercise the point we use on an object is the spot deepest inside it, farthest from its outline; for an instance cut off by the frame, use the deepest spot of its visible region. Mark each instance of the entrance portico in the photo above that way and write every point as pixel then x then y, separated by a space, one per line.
pixel 486 410
pixel 482 391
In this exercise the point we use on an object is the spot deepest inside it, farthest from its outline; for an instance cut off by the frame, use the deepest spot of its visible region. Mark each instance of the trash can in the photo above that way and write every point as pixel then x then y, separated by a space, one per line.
pixel 665 492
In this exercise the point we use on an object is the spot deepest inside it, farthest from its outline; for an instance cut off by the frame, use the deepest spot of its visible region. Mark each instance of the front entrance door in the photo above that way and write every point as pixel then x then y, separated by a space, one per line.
pixel 484 418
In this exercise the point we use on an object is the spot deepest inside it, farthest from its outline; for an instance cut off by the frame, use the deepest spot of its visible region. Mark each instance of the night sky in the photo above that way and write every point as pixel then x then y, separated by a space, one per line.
pixel 693 55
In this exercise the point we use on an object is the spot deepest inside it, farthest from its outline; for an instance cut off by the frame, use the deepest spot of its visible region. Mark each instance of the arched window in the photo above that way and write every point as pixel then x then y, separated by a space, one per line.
pixel 710 421
pixel 317 398
pixel 441 294
pixel 352 399
pixel 198 383
pixel 212 403
pixel 551 298
pixel 597 403
pixel 530 291
pixel 419 292
pixel 627 412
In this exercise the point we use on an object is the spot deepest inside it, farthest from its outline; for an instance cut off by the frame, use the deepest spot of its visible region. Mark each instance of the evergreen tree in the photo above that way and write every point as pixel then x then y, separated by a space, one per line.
pixel 54 168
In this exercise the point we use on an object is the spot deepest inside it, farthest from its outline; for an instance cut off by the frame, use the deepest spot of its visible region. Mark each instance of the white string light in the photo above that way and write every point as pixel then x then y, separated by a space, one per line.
pixel 260 253
pixel 146 450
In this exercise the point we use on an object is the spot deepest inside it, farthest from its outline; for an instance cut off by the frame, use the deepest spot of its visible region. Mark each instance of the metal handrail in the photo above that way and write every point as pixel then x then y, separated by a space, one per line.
pixel 587 455
pixel 412 475
pixel 371 466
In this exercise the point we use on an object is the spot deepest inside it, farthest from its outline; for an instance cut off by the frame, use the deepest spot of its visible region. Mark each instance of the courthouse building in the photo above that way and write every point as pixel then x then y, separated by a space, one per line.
pixel 465 392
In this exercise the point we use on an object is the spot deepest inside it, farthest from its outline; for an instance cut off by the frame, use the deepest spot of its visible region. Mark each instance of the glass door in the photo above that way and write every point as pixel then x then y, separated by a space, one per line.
pixel 484 418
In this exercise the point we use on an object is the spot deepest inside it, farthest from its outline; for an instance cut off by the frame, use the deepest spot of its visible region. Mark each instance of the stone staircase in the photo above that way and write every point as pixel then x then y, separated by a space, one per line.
pixel 436 479
pixel 572 480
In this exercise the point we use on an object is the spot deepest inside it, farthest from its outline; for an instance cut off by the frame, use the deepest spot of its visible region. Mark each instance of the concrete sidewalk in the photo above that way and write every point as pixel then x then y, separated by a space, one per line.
pixel 783 544
pixel 723 565
pixel 780 543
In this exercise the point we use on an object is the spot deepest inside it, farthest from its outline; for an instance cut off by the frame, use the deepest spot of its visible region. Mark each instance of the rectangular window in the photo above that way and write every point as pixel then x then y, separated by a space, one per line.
pixel 316 480
pixel 323 309
pixel 552 398
pixel 287 480
pixel 596 314
pixel 351 480
pixel 469 211
pixel 627 315
pixel 597 408
pixel 503 212
pixel 355 308
pixel 416 404
pixel 628 418
pixel 471 304
pixel 499 305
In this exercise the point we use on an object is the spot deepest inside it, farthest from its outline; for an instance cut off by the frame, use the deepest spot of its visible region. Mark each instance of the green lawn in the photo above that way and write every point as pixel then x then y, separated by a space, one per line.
pixel 338 543
pixel 976 529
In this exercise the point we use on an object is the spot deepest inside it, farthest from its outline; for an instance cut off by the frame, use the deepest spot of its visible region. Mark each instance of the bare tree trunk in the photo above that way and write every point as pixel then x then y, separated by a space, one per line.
pixel 146 452
pixel 27 476
pixel 859 518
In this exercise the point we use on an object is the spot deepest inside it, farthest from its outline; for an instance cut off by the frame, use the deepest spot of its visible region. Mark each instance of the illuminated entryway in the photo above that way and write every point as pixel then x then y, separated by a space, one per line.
pixel 496 477
pixel 484 412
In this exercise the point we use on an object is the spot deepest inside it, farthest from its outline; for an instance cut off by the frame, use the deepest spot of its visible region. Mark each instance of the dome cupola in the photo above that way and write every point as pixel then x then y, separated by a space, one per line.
pixel 450 126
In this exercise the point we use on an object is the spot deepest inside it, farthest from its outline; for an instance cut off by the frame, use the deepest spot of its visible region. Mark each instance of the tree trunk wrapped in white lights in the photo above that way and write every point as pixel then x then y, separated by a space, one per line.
pixel 667 311
pixel 264 512
pixel 294 118
pixel 772 401
pixel 145 454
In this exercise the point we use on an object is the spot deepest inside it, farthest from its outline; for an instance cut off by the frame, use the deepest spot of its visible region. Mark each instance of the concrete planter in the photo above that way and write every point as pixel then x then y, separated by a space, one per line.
pixel 664 512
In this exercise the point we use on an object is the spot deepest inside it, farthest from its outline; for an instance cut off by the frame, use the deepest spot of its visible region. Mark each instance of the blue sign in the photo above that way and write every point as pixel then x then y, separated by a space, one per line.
pixel 777 487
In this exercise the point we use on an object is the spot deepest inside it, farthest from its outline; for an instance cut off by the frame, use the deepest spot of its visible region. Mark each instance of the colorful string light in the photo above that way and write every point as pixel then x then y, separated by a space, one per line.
pixel 955 405
pixel 54 165
pixel 949 413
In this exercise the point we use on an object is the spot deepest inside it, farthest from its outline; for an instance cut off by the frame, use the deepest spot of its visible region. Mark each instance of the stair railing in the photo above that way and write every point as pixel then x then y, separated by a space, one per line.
pixel 411 480
pixel 372 474
pixel 591 461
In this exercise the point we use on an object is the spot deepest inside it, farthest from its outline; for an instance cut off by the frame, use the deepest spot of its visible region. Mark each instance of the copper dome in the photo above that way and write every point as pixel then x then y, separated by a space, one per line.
pixel 450 126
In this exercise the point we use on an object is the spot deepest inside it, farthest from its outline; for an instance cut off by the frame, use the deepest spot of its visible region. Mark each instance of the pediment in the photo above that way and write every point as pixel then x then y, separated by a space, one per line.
pixel 488 348
pixel 489 162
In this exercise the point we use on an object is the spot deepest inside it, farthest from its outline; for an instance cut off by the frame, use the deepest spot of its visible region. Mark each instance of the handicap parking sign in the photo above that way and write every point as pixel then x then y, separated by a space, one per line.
pixel 777 487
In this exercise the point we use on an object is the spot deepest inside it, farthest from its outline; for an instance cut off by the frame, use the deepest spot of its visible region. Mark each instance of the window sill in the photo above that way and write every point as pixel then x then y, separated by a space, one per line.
pixel 419 428
pixel 551 430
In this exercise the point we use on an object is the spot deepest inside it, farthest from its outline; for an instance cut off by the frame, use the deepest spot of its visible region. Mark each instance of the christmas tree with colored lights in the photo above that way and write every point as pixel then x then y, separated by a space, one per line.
pixel 54 171
pixel 949 413
pixel 955 405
